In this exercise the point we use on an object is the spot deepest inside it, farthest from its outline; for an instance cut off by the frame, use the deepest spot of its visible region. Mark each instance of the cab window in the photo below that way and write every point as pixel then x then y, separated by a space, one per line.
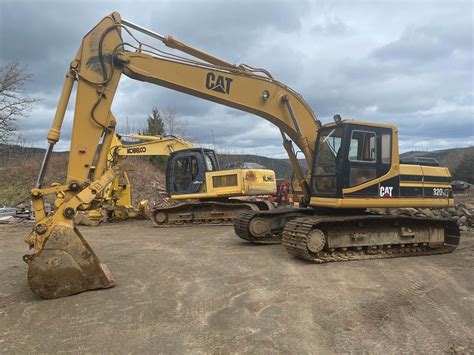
pixel 209 163
pixel 185 167
pixel 363 156
pixel 386 148
pixel 363 147
pixel 328 147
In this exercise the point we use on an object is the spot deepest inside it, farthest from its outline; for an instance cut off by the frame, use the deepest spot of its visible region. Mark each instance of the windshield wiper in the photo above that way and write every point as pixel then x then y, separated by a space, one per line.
pixel 329 145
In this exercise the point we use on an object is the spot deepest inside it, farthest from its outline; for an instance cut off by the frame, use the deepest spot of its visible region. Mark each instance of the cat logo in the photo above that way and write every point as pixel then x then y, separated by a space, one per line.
pixel 267 178
pixel 386 191
pixel 220 83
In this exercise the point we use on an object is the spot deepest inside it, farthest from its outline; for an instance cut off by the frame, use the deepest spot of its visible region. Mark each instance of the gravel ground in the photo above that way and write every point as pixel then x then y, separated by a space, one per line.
pixel 203 290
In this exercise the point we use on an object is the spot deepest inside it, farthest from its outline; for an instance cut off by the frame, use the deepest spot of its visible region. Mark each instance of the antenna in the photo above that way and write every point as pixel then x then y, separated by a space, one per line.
pixel 213 142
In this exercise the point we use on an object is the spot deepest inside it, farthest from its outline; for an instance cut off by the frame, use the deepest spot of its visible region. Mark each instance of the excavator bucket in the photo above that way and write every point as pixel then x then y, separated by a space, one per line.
pixel 66 265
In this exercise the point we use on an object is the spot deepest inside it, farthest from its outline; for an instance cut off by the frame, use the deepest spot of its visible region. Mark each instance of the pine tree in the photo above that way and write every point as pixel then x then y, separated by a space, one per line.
pixel 155 127
pixel 155 124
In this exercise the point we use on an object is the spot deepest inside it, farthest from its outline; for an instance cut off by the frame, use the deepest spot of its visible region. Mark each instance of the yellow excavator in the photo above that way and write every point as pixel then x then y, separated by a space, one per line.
pixel 206 194
pixel 115 202
pixel 353 165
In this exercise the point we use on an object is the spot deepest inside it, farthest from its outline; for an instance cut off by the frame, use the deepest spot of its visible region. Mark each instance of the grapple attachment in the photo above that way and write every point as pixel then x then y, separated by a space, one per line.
pixel 66 265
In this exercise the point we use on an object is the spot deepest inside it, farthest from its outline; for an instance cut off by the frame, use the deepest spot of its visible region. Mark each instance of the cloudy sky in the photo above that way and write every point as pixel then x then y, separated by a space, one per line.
pixel 405 62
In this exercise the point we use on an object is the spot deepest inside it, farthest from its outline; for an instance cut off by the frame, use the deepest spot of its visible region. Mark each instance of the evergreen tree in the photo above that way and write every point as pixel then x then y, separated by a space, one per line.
pixel 155 124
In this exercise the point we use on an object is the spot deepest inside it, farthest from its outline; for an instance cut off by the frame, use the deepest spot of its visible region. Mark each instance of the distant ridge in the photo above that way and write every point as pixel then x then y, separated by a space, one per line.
pixel 450 158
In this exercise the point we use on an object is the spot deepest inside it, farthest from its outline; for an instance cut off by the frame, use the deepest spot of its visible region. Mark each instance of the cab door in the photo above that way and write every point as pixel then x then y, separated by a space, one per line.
pixel 326 175
pixel 367 158
pixel 185 173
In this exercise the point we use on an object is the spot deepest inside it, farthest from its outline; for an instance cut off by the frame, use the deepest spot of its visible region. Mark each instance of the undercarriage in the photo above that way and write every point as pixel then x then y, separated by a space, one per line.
pixel 205 212
pixel 325 238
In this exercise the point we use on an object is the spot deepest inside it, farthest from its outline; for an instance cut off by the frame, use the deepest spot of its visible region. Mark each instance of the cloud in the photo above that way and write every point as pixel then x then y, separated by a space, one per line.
pixel 406 63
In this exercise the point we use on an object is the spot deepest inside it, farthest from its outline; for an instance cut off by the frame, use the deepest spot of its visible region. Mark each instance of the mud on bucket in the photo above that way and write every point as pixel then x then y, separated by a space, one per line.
pixel 66 265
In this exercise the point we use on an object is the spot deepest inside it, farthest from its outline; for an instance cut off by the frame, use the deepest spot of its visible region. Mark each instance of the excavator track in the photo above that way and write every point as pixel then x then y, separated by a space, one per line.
pixel 265 227
pixel 322 239
pixel 203 213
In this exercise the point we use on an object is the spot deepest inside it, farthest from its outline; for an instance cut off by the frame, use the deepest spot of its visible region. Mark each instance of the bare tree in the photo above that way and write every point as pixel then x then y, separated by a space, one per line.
pixel 13 103
pixel 174 125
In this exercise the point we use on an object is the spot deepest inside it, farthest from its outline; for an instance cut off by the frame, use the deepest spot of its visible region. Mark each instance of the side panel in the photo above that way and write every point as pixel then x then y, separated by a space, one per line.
pixel 260 182
pixel 411 181
pixel 419 186
pixel 241 182
pixel 234 183
pixel 225 183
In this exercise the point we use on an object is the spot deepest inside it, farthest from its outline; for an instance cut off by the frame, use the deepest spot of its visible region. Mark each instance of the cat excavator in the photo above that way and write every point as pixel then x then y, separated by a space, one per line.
pixel 353 165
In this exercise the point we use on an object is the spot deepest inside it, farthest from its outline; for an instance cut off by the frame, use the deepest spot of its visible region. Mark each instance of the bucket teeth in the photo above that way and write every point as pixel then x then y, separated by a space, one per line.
pixel 66 265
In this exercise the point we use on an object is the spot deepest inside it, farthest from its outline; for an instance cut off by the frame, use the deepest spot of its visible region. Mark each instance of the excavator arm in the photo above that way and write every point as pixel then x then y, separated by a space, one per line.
pixel 118 197
pixel 54 269
pixel 151 145
pixel 115 202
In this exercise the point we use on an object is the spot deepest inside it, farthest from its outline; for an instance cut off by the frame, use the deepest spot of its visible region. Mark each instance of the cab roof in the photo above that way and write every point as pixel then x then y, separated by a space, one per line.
pixel 361 123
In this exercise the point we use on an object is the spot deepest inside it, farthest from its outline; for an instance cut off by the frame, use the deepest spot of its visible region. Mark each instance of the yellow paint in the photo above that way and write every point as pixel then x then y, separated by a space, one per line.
pixel 406 169
pixel 380 202
pixel 249 182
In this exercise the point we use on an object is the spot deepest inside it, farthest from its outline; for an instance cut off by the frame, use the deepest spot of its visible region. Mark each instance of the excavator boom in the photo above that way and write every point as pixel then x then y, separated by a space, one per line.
pixel 152 145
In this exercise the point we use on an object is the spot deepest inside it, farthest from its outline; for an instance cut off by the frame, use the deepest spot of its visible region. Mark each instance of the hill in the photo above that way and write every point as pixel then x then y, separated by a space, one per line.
pixel 19 170
pixel 281 167
pixel 447 157
pixel 460 161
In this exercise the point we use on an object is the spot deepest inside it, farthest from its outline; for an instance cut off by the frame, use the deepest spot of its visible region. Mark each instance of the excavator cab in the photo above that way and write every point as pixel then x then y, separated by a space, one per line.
pixel 349 155
pixel 186 170
pixel 357 165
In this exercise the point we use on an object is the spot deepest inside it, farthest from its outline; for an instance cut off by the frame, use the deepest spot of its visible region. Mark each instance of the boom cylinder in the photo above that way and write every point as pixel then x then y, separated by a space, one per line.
pixel 172 42
pixel 55 130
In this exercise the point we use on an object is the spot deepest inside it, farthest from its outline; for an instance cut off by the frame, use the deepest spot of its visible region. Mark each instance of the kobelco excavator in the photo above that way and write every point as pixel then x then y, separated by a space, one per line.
pixel 203 193
pixel 353 165
pixel 115 202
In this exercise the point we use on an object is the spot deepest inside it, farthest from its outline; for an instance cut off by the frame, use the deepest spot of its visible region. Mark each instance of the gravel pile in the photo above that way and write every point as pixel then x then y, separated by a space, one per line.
pixel 462 212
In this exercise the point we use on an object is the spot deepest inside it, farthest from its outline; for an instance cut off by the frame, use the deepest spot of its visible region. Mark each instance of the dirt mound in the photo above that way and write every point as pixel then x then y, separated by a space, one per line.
pixel 20 169
pixel 18 176
pixel 147 180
